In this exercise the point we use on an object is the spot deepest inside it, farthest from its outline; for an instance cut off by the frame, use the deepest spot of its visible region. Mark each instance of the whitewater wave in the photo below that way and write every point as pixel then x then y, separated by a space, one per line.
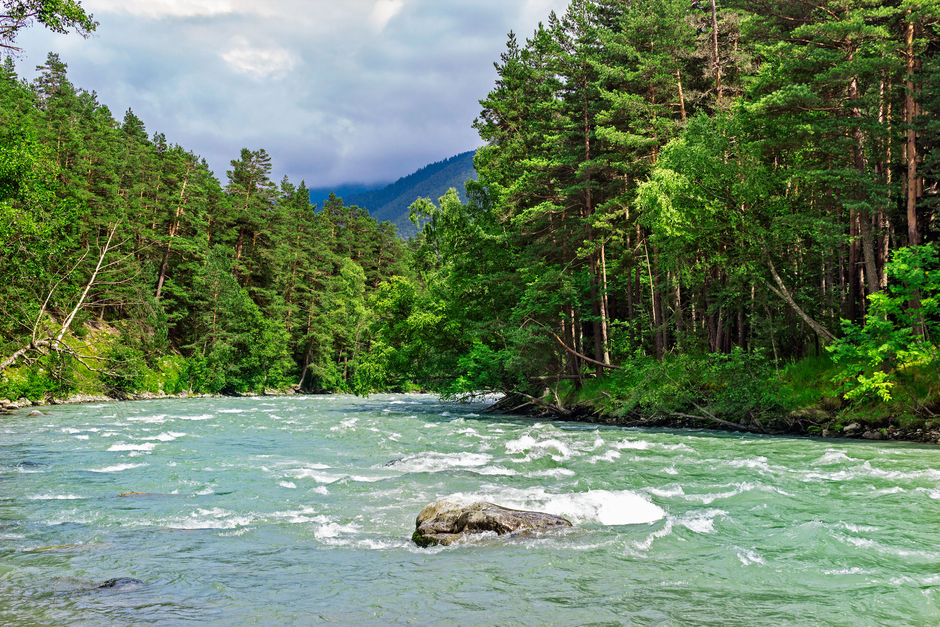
pixel 165 437
pixel 116 448
pixel 534 449
pixel 867 471
pixel 117 468
pixel 441 462
pixel 214 518
pixel 606 507
pixel 736 489
pixel 701 521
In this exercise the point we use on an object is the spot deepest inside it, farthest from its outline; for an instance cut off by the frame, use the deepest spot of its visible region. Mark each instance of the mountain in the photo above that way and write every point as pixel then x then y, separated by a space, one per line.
pixel 318 195
pixel 432 181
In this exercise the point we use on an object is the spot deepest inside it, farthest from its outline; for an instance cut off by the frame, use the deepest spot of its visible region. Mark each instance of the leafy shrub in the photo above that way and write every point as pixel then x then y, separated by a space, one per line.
pixel 899 337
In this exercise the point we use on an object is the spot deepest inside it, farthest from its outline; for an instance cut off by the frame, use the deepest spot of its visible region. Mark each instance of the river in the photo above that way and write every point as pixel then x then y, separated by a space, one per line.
pixel 299 510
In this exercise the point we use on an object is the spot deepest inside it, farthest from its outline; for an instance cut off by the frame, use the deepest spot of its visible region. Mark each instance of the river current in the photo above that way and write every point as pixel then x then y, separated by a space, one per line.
pixel 299 510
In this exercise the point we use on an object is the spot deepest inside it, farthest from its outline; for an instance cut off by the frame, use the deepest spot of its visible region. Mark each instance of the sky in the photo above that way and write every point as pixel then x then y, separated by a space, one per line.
pixel 337 91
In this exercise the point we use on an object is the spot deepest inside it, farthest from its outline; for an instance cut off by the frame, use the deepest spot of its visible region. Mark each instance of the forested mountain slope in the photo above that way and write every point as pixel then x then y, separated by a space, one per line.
pixel 392 203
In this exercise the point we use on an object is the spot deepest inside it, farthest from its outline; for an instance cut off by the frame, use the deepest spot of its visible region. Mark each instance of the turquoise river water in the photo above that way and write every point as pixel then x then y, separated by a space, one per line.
pixel 299 511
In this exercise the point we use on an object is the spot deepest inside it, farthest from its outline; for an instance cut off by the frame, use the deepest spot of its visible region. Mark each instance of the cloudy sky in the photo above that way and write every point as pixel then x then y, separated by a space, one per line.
pixel 335 90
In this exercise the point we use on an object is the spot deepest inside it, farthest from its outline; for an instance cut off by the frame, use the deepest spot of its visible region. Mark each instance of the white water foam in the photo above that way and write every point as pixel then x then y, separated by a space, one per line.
pixel 749 557
pixel 301 516
pixel 834 456
pixel 737 488
pixel 288 484
pixel 603 506
pixel 847 571
pixel 329 530
pixel 153 420
pixel 214 518
pixel 439 462
pixel 535 449
pixel 551 473
pixel 124 447
pixel 645 545
pixel 165 437
pixel 348 423
pixel 55 497
pixel 635 445
pixel 667 492
pixel 117 468
pixel 701 521
pixel 197 418
pixel 609 456
pixel 865 471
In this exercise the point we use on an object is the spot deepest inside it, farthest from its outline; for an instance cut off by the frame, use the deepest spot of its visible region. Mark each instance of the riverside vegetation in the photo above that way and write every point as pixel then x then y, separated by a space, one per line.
pixel 721 213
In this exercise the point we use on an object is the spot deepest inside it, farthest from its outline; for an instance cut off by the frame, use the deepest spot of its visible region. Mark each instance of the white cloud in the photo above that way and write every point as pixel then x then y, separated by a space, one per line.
pixel 308 80
pixel 156 9
pixel 383 11
pixel 259 62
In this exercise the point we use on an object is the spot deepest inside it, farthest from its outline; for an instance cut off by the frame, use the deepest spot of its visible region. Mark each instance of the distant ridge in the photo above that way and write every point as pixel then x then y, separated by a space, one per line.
pixel 319 195
pixel 391 202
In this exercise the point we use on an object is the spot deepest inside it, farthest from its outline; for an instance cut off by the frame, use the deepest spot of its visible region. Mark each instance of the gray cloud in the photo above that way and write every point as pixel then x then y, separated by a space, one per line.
pixel 363 90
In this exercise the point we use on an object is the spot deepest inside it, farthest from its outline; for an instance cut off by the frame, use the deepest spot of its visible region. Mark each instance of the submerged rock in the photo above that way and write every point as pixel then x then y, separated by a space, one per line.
pixel 122 583
pixel 445 522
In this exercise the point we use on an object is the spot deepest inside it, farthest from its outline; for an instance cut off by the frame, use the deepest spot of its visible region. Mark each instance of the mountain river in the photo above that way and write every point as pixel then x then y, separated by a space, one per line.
pixel 299 510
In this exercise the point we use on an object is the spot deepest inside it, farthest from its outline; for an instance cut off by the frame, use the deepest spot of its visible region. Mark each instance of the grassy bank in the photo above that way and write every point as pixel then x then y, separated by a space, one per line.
pixel 103 363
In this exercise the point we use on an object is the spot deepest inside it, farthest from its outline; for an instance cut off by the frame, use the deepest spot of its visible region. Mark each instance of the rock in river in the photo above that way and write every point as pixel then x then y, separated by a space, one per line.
pixel 121 583
pixel 445 522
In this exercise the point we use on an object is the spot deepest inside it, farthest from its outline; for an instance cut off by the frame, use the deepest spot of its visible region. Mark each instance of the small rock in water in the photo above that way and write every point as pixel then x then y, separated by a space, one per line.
pixel 873 435
pixel 35 413
pixel 445 522
pixel 122 583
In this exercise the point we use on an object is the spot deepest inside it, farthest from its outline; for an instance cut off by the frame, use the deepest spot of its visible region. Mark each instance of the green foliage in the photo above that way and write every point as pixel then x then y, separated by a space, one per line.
pixel 125 370
pixel 59 16
pixel 901 331
pixel 52 376
pixel 729 386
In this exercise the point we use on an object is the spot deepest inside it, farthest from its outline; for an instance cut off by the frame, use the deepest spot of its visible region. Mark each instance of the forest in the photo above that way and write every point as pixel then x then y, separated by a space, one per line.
pixel 723 209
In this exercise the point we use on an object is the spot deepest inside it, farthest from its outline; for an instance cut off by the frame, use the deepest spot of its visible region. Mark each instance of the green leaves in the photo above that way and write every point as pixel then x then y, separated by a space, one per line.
pixel 901 332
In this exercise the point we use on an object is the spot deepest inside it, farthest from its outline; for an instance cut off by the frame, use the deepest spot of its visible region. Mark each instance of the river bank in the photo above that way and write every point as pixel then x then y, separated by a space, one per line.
pixel 7 406
pixel 813 423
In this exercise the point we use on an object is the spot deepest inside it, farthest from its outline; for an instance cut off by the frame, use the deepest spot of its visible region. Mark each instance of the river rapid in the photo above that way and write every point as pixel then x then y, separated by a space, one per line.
pixel 299 510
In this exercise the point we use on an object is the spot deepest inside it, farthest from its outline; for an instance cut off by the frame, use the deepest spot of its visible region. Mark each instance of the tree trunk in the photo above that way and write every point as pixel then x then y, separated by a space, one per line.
pixel 174 227
pixel 864 216
pixel 605 308
pixel 784 293
pixel 718 87
pixel 913 232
